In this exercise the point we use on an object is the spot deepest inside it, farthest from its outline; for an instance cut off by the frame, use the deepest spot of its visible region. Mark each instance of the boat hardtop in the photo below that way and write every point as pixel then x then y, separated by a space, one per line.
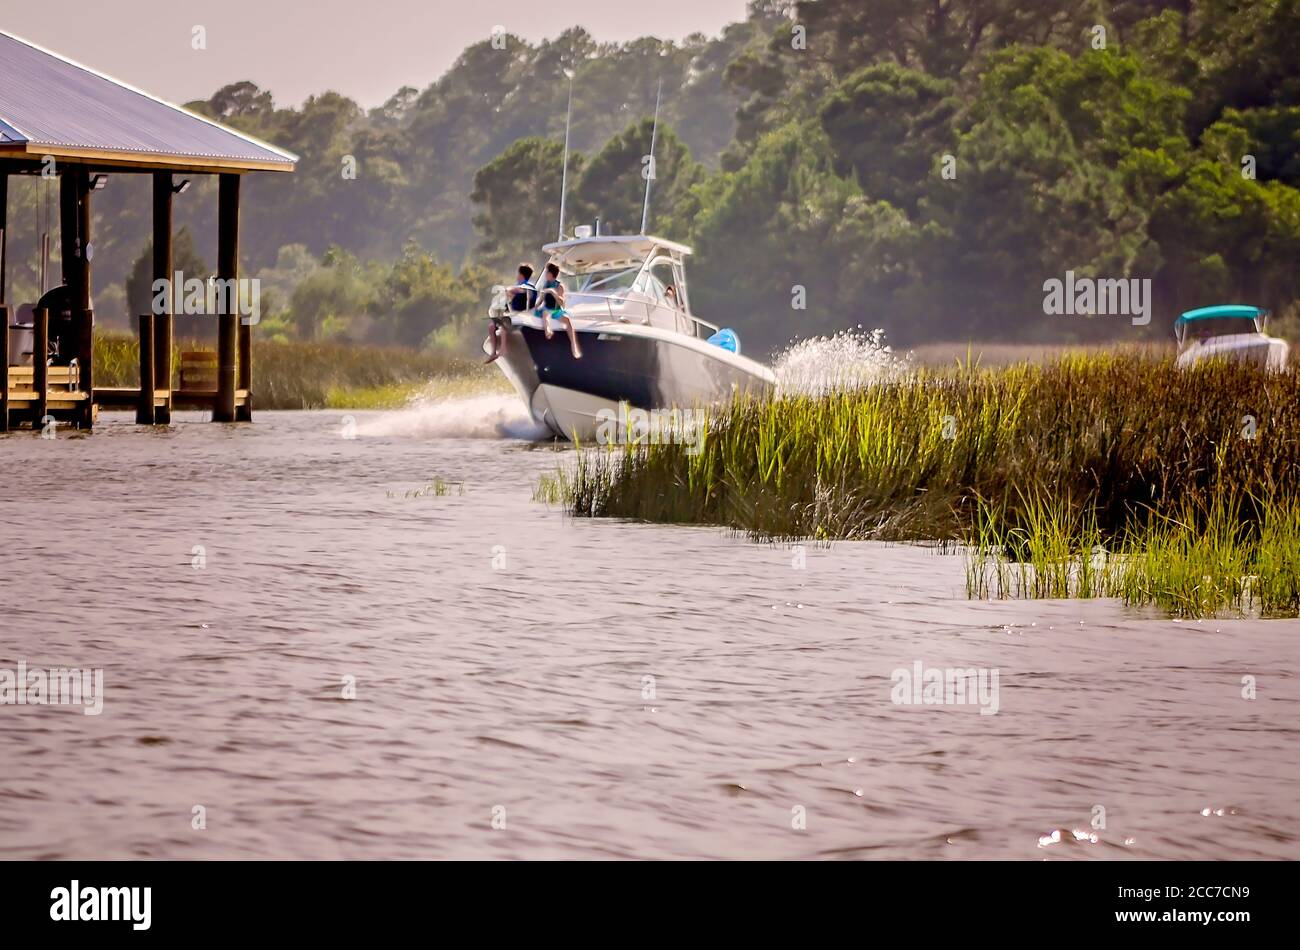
pixel 1228 331
pixel 578 255
pixel 1220 320
pixel 629 278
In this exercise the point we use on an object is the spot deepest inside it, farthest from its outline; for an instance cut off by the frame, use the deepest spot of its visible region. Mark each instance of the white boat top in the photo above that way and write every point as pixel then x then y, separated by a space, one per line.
pixel 1235 331
pixel 627 278
pixel 630 283
pixel 579 254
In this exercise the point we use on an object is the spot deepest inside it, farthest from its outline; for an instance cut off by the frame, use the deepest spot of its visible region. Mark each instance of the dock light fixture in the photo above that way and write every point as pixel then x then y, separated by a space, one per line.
pixel 182 187
pixel 97 182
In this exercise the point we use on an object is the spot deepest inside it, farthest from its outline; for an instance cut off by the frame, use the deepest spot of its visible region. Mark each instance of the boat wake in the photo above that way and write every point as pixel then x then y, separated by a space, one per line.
pixel 487 416
pixel 847 360
pixel 842 362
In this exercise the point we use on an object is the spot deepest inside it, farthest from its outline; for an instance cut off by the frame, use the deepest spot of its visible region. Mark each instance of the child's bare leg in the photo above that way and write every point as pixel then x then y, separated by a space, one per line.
pixel 498 338
pixel 546 324
pixel 573 338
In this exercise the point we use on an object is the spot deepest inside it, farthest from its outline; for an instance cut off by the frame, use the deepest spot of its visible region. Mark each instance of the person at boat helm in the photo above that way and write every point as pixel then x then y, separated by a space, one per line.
pixel 552 307
pixel 521 298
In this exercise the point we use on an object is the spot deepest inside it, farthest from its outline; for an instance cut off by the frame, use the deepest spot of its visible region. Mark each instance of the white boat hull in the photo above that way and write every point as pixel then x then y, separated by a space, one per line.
pixel 641 367
pixel 1264 351
pixel 570 413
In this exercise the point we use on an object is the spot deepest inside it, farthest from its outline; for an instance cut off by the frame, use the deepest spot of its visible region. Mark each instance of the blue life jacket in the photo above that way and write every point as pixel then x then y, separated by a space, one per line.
pixel 550 301
pixel 524 300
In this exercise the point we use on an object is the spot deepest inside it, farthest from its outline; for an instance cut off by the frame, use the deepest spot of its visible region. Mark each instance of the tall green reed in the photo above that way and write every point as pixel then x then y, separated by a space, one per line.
pixel 1079 468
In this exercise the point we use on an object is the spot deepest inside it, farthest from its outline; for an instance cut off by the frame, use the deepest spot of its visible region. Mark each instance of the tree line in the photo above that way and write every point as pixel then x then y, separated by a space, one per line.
pixel 924 166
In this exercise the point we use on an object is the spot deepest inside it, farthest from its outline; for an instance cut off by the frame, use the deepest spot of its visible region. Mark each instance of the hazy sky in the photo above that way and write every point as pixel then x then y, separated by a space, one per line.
pixel 365 49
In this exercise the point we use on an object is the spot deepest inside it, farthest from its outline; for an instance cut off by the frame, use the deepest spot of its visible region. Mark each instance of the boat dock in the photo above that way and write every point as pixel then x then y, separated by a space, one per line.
pixel 62 120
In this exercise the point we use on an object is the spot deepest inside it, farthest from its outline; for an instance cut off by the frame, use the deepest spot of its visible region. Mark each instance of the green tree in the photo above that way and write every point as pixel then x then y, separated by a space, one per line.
pixel 939 37
pixel 1226 239
pixel 518 199
pixel 334 302
pixel 419 295
pixel 139 285
pixel 612 185
pixel 886 124
pixel 1042 173
pixel 805 145
pixel 766 237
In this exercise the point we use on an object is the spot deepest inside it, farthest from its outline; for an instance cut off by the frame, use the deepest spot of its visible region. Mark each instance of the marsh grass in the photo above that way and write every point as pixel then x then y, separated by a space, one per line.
pixel 1093 475
pixel 1203 562
pixel 437 487
pixel 390 396
pixel 312 375
pixel 552 488
pixel 1054 550
pixel 994 355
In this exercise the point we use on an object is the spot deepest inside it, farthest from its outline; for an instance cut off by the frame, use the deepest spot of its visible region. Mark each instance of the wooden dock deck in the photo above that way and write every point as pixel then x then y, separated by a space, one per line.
pixel 42 394
pixel 128 397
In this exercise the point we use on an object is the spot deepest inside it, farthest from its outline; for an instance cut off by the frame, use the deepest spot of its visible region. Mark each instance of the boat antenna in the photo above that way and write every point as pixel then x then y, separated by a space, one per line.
pixel 654 134
pixel 564 175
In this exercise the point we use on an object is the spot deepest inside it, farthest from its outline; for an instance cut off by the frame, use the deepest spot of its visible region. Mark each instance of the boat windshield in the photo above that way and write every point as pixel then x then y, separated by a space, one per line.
pixel 595 286
pixel 1204 329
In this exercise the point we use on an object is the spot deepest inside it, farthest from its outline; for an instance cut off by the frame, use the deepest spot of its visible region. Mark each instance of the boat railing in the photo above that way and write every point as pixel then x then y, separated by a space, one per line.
pixel 501 294
pixel 683 322
pixel 702 325
pixel 631 309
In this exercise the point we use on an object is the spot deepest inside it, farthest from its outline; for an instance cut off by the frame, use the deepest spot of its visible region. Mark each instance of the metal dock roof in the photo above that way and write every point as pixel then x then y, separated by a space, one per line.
pixel 50 105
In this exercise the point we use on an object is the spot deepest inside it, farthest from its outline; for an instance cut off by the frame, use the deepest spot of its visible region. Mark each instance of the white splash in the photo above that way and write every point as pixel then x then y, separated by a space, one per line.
pixel 489 416
pixel 844 361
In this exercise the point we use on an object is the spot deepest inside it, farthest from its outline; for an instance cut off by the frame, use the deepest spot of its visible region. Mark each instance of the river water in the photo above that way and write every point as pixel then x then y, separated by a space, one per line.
pixel 529 685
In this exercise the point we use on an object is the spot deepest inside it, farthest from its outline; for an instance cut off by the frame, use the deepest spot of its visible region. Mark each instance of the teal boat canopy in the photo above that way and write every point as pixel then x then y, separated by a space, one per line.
pixel 1228 310
pixel 1221 320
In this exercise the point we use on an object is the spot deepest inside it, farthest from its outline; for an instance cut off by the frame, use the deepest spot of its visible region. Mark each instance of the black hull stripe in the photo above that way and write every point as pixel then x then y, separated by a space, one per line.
pixel 647 372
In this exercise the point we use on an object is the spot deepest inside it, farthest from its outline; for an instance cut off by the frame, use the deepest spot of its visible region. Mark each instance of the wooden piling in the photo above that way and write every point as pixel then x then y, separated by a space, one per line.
pixel 68 228
pixel 244 411
pixel 4 224
pixel 162 367
pixel 228 273
pixel 4 308
pixel 144 412
pixel 162 270
pixel 4 368
pixel 81 302
pixel 40 364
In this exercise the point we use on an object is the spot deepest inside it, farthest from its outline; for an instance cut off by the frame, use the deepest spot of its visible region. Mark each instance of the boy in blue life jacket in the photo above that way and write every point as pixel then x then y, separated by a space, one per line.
pixel 552 306
pixel 520 298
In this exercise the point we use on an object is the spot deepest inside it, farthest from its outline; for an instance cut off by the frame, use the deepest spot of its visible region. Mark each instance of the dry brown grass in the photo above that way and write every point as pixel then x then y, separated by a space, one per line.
pixel 995 355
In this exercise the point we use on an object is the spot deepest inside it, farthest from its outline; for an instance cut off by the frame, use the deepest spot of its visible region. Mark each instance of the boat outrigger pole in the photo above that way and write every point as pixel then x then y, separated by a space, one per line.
pixel 650 176
pixel 564 175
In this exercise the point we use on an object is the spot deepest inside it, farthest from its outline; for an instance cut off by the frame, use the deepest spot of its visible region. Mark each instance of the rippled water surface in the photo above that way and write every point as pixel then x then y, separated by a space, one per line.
pixel 600 689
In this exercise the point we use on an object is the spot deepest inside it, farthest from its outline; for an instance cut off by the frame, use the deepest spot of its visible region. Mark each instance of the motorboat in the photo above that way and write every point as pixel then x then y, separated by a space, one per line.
pixel 1228 331
pixel 640 344
pixel 630 345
